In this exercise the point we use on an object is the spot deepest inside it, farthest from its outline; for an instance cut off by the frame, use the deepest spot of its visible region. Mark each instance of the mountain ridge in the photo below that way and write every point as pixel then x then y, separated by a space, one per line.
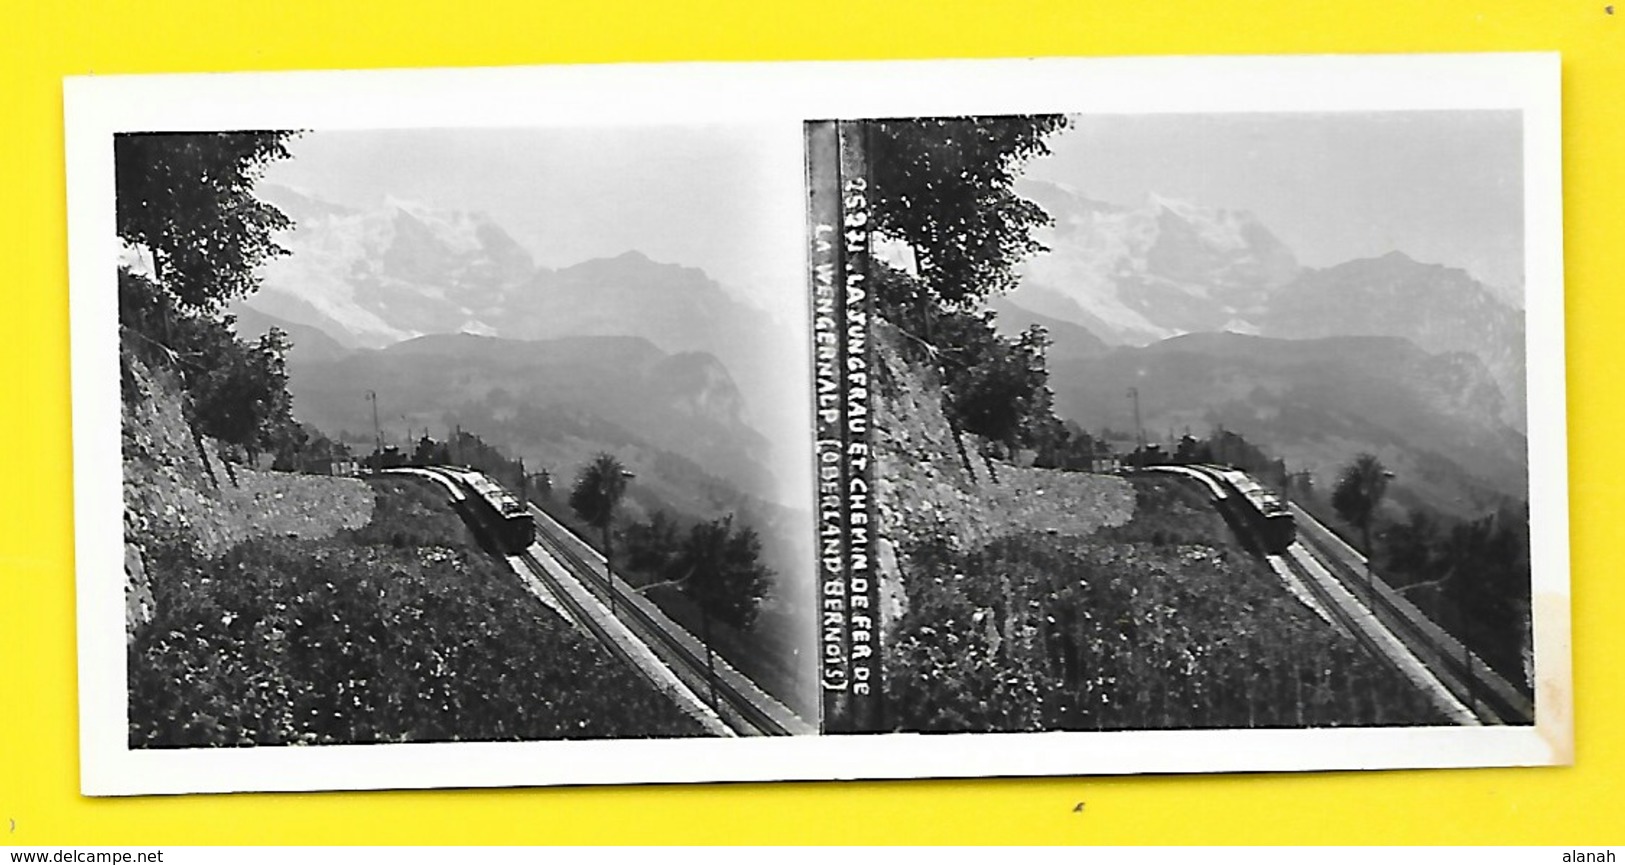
pixel 1137 275
pixel 1434 419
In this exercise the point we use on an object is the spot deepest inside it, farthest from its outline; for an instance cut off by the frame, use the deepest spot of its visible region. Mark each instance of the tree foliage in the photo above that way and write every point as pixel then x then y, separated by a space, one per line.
pixel 188 199
pixel 1359 491
pixel 651 545
pixel 305 449
pixel 240 396
pixel 598 490
pixel 235 391
pixel 429 452
pixel 1411 545
pixel 1069 447
pixel 596 494
pixel 997 388
pixel 1487 587
pixel 722 570
pixel 944 186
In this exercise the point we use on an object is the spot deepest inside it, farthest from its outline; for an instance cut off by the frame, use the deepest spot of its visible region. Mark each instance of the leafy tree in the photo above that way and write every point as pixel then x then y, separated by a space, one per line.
pixel 944 186
pixel 238 392
pixel 1487 587
pixel 996 387
pixel 1410 545
pixel 651 546
pixel 306 449
pixel 1004 395
pixel 188 199
pixel 293 447
pixel 1359 491
pixel 597 492
pixel 722 571
pixel 1066 446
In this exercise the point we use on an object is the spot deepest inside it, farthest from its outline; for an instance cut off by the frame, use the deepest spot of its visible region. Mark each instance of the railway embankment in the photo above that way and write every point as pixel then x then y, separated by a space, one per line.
pixel 927 486
pixel 178 490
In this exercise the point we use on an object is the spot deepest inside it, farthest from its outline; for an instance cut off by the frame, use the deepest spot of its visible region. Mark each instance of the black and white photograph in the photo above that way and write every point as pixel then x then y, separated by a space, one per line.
pixel 1196 421
pixel 668 423
pixel 437 435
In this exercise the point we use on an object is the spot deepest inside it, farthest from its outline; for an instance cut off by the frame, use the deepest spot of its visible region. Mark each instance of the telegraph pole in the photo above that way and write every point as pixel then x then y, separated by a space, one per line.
pixel 1139 431
pixel 377 431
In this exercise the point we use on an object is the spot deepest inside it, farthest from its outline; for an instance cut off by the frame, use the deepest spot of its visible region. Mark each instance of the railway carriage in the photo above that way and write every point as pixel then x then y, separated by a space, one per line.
pixel 501 516
pixel 1270 519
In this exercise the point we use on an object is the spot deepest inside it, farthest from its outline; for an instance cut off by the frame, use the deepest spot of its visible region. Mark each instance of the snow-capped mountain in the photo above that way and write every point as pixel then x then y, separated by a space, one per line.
pixel 378 277
pixel 369 278
pixel 1133 275
pixel 1136 275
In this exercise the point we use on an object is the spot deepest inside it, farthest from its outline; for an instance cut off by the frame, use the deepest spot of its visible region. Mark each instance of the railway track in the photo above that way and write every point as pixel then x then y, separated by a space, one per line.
pixel 1345 611
pixel 741 706
pixel 746 708
pixel 583 617
pixel 1373 614
pixel 1489 696
pixel 576 608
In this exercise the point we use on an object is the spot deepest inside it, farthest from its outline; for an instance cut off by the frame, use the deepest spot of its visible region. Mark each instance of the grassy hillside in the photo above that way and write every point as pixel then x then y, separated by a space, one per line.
pixel 400 631
pixel 1162 623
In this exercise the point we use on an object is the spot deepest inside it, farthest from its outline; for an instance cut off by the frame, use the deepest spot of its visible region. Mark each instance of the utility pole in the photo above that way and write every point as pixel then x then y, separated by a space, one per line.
pixel 1139 431
pixel 377 431
pixel 1467 655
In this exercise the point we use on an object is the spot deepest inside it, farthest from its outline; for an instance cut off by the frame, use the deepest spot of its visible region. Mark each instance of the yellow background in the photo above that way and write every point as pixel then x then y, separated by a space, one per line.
pixel 40 42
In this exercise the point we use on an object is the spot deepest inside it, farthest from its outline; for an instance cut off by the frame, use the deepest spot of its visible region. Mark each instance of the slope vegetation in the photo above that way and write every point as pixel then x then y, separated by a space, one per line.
pixel 292 609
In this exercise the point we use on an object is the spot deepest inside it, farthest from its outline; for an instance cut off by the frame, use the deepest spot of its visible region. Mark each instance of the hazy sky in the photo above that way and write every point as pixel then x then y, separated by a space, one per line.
pixel 698 196
pixel 1442 186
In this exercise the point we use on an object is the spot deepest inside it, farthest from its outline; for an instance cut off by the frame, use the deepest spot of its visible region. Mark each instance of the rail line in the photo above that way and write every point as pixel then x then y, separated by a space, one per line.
pixel 1389 626
pixel 746 708
pixel 578 613
pixel 740 707
pixel 1466 675
pixel 1377 639
pixel 548 588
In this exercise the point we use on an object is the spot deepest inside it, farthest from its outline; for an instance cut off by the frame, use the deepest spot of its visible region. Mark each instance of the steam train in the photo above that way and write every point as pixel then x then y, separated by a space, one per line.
pixel 1268 519
pixel 503 520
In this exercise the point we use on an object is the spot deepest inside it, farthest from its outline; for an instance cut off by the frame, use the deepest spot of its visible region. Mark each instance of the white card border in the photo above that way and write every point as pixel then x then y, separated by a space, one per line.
pixel 771 94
